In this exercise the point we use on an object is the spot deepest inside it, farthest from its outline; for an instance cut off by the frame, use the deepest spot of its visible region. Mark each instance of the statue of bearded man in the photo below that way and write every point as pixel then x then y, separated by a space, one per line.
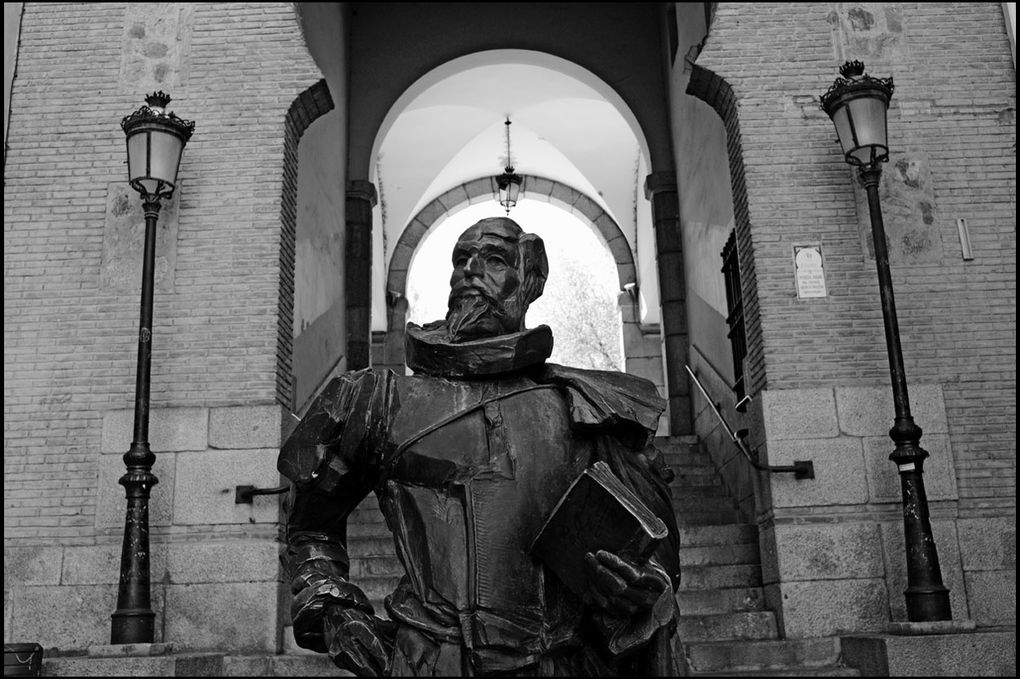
pixel 468 458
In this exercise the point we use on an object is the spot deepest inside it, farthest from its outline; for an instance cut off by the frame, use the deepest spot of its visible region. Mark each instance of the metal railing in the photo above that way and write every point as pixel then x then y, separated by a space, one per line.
pixel 801 469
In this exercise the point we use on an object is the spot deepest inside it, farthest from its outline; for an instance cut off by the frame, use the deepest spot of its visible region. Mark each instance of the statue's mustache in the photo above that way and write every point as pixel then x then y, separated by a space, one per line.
pixel 464 290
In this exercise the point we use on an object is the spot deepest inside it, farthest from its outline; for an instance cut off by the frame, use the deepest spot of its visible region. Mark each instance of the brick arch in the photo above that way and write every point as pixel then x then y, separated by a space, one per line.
pixel 717 93
pixel 305 109
pixel 540 188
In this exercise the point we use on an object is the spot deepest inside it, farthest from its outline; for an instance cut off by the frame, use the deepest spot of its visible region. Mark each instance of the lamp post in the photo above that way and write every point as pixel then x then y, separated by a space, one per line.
pixel 857 104
pixel 509 183
pixel 155 142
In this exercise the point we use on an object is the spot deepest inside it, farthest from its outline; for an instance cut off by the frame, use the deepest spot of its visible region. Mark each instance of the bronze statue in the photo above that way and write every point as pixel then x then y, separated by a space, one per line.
pixel 469 457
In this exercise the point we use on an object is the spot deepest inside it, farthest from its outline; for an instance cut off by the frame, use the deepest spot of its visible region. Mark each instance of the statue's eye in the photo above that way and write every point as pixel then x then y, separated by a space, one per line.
pixel 496 259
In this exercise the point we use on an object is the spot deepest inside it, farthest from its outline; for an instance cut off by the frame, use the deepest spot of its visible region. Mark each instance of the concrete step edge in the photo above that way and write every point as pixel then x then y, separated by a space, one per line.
pixel 772 654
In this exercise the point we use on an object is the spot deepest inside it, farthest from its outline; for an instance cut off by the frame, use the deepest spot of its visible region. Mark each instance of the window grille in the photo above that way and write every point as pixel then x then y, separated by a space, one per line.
pixel 735 313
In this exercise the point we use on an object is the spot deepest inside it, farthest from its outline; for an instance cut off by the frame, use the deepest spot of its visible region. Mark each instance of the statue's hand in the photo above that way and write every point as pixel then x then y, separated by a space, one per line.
pixel 621 586
pixel 356 641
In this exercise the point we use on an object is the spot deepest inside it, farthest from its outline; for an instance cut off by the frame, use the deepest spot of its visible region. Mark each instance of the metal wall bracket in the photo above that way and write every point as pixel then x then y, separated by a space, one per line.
pixel 245 494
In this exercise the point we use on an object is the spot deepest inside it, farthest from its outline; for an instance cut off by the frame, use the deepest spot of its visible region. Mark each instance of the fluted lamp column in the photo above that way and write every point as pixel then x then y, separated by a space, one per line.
pixel 155 143
pixel 857 105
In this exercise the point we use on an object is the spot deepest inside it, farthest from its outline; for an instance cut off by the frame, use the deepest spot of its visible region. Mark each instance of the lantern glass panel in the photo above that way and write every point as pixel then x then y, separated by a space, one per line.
pixel 868 114
pixel 166 157
pixel 846 136
pixel 138 152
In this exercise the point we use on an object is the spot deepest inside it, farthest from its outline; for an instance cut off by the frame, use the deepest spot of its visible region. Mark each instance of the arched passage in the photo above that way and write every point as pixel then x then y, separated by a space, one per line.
pixel 538 188
pixel 642 351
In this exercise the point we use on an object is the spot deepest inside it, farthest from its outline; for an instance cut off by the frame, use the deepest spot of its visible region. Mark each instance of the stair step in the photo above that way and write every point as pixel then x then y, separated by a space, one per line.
pixel 714 503
pixel 755 656
pixel 375 566
pixel 684 490
pixel 666 443
pixel 716 517
pixel 357 530
pixel 691 459
pixel 694 478
pixel 714 577
pixel 371 544
pixel 366 515
pixel 786 672
pixel 732 534
pixel 722 600
pixel 746 625
pixel 720 555
pixel 377 587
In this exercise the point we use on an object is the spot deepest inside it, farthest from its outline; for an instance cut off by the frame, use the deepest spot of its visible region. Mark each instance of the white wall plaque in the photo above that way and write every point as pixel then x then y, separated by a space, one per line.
pixel 809 269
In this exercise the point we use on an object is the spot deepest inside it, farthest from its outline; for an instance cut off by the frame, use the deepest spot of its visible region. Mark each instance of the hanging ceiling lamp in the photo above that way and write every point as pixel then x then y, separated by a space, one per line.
pixel 508 183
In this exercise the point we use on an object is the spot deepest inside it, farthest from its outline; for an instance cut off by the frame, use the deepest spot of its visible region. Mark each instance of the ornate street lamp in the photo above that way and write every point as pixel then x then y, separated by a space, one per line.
pixel 857 104
pixel 155 142
pixel 508 184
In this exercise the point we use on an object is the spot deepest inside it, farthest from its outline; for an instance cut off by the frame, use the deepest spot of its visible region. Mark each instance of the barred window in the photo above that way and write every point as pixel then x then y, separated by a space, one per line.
pixel 735 313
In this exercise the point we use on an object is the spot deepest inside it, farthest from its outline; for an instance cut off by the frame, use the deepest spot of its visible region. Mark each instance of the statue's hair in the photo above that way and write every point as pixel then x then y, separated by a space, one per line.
pixel 533 265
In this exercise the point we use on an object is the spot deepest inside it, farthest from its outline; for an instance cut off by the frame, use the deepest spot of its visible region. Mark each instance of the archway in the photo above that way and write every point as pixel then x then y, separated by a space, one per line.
pixel 641 347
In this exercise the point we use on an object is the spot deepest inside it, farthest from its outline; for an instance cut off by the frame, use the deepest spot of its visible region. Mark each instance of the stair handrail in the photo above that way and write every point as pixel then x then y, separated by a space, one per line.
pixel 801 469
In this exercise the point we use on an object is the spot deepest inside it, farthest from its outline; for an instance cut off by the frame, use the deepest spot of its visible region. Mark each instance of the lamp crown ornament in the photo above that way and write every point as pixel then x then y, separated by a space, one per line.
pixel 855 81
pixel 155 111
pixel 852 69
pixel 158 100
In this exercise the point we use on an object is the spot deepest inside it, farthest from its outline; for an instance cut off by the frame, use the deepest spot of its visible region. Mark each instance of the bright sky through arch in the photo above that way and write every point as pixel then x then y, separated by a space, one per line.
pixel 566 238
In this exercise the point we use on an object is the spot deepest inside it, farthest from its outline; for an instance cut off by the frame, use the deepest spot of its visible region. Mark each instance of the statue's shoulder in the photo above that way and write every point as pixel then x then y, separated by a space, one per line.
pixel 337 420
pixel 608 400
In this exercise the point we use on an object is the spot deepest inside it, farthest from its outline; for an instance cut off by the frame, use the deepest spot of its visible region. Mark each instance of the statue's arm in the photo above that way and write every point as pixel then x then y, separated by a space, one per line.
pixel 634 603
pixel 332 460
pixel 318 563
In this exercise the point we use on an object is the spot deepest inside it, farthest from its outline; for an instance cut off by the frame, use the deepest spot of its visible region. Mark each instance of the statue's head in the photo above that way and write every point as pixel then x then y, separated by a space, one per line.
pixel 498 271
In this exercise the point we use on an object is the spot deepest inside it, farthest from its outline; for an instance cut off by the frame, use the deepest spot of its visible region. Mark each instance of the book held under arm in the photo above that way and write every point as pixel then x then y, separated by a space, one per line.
pixel 597 512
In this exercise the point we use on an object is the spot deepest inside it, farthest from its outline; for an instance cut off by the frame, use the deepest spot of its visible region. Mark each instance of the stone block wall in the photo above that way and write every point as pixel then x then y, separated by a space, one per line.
pixel 72 243
pixel 832 547
pixel 833 550
pixel 214 565
pixel 952 139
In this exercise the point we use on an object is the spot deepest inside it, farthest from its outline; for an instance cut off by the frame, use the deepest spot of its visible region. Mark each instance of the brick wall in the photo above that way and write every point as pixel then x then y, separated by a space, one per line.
pixel 953 154
pixel 70 333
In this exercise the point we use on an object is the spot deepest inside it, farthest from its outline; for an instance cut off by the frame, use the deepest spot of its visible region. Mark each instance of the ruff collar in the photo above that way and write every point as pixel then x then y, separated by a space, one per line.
pixel 428 351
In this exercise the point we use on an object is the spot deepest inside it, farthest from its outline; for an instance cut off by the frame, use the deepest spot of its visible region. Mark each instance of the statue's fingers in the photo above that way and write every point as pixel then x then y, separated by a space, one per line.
pixel 651 582
pixel 639 598
pixel 618 565
pixel 608 581
pixel 348 654
pixel 373 646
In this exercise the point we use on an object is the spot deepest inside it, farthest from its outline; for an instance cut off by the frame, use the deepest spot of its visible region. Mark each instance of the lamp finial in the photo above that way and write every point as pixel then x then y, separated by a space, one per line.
pixel 158 100
pixel 852 69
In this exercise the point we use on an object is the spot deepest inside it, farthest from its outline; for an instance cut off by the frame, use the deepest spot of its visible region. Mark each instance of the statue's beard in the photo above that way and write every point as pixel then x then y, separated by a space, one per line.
pixel 473 313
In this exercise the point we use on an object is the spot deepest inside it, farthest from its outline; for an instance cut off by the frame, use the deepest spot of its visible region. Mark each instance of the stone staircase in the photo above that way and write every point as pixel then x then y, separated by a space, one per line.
pixel 724 629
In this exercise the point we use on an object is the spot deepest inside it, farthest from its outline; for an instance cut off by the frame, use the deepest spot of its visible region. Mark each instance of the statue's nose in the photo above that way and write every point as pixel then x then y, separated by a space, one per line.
pixel 474 266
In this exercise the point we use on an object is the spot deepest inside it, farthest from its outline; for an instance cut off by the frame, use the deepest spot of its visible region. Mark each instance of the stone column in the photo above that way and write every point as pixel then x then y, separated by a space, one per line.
pixel 361 198
pixel 660 189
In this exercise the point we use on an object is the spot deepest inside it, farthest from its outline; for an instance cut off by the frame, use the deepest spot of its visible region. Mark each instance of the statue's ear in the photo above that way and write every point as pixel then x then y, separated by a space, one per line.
pixel 534 266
